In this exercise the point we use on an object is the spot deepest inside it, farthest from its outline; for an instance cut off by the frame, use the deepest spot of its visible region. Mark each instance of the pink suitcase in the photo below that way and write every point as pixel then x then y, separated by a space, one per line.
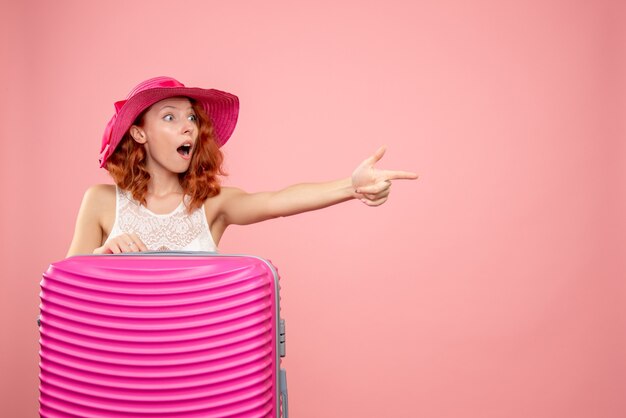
pixel 161 335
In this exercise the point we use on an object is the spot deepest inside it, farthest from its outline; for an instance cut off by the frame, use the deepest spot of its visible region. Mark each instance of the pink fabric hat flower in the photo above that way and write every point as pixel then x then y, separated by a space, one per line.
pixel 221 107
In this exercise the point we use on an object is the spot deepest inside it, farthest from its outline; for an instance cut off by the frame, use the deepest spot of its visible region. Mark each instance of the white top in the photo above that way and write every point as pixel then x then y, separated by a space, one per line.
pixel 172 231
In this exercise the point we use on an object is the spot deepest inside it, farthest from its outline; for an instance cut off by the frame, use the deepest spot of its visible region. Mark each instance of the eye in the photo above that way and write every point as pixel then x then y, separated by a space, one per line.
pixel 169 117
pixel 193 118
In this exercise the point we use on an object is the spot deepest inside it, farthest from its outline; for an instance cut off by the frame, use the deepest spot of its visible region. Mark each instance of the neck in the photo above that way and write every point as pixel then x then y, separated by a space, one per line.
pixel 163 182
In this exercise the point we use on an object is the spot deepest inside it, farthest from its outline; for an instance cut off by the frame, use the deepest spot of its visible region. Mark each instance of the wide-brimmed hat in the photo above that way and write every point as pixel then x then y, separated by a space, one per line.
pixel 221 107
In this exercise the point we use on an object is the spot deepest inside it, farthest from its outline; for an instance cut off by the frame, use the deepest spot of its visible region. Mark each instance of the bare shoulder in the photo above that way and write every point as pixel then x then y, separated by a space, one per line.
pixel 99 199
pixel 215 204
pixel 229 192
pixel 100 194
pixel 94 219
pixel 102 190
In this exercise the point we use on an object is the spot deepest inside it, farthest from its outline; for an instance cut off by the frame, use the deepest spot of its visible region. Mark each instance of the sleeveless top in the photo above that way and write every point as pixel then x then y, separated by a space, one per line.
pixel 172 231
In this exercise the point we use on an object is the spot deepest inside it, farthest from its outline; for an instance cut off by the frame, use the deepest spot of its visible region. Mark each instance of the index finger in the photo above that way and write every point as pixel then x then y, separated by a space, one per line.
pixel 139 242
pixel 399 175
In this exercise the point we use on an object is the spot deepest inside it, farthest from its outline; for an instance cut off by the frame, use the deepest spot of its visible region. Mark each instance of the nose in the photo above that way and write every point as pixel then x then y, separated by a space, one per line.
pixel 188 126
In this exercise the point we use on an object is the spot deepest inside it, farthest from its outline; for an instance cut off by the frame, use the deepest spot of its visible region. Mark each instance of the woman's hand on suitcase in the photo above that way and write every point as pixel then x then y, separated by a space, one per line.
pixel 124 243
pixel 372 185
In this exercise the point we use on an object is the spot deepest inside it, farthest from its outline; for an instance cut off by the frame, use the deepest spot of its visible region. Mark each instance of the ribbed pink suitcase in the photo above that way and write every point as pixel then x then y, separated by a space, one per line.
pixel 161 335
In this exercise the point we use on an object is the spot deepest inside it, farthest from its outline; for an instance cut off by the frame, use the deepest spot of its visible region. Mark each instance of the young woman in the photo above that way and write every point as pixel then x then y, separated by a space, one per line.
pixel 162 149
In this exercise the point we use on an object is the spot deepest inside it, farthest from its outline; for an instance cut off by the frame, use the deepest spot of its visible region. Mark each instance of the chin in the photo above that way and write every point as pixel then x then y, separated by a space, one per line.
pixel 180 168
pixel 181 171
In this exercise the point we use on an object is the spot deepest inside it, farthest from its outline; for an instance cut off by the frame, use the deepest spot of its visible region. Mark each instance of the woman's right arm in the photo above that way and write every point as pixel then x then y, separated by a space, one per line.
pixel 88 230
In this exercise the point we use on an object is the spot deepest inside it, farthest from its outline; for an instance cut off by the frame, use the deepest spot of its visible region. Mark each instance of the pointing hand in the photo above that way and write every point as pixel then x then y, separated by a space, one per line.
pixel 372 185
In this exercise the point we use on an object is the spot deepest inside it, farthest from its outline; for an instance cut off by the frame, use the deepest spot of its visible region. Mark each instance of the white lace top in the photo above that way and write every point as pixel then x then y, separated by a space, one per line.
pixel 174 231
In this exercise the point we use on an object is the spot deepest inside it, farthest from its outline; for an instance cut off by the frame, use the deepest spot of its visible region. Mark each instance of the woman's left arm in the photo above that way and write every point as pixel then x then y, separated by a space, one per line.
pixel 368 183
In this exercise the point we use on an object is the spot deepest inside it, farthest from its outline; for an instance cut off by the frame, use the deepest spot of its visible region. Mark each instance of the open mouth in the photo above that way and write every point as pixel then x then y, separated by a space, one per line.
pixel 184 150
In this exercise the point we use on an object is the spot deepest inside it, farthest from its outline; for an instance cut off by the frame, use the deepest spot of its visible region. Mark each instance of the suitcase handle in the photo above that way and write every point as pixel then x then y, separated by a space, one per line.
pixel 283 393
pixel 169 252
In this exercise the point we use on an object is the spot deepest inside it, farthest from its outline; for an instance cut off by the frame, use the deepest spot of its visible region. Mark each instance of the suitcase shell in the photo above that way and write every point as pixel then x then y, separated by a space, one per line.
pixel 161 335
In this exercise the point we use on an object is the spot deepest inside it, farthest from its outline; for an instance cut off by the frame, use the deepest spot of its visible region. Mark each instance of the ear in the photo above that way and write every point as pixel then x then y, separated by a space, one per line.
pixel 138 134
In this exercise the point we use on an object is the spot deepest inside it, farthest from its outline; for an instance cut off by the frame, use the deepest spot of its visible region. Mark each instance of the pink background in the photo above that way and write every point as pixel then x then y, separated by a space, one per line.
pixel 491 287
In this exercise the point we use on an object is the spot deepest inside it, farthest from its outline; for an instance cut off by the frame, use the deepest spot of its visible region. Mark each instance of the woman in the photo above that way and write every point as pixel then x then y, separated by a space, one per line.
pixel 162 149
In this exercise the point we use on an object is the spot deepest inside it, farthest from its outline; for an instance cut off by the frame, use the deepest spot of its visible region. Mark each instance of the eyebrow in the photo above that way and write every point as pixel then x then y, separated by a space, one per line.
pixel 174 107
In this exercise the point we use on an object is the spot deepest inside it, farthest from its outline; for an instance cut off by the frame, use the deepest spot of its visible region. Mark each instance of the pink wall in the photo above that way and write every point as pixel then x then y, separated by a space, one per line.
pixel 491 287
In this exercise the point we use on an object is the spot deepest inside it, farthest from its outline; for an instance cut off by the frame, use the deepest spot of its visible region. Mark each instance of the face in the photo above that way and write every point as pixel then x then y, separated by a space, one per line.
pixel 169 133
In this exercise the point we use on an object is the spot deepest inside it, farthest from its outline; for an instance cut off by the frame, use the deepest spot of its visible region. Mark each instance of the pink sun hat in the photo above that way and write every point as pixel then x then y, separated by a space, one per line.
pixel 221 107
